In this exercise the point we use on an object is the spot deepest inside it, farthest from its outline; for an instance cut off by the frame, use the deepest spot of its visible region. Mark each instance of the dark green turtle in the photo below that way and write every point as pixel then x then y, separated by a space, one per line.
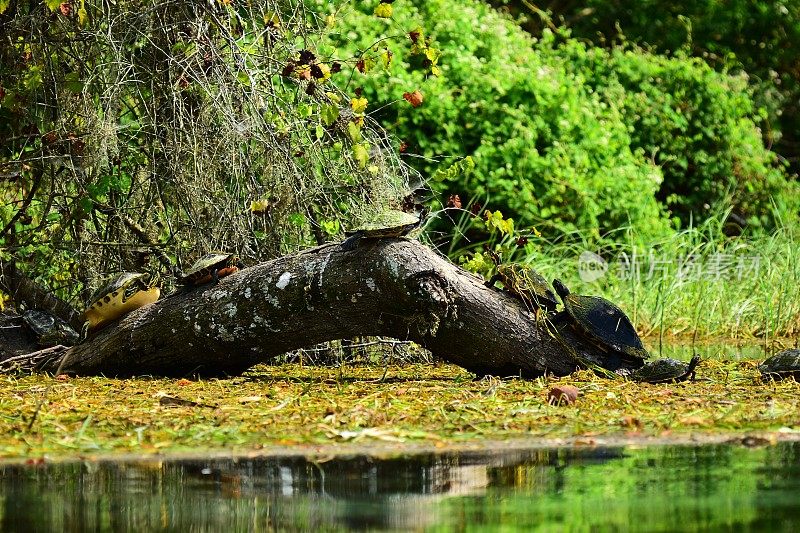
pixel 782 365
pixel 49 330
pixel 392 223
pixel 211 267
pixel 120 295
pixel 665 371
pixel 602 322
pixel 527 285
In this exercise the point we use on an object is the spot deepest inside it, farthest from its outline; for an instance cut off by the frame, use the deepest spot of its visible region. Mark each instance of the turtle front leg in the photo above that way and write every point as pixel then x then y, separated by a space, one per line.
pixel 215 276
pixel 351 242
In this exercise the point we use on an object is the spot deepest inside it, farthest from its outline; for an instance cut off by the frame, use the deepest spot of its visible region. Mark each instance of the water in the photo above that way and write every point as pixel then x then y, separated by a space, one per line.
pixel 719 487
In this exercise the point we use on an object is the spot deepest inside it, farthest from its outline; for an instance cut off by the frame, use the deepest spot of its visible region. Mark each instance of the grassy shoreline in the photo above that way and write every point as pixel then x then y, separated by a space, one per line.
pixel 439 405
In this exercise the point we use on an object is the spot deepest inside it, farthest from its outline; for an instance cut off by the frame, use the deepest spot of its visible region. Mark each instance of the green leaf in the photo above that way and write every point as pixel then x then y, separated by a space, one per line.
pixel 305 110
pixel 73 83
pixel 329 113
pixel 354 132
pixel 298 219
pixel 361 154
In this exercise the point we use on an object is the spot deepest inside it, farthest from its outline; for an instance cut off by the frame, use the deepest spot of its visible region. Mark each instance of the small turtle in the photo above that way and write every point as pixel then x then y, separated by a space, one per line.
pixel 211 267
pixel 527 285
pixel 602 322
pixel 120 295
pixel 782 365
pixel 665 371
pixel 49 330
pixel 392 223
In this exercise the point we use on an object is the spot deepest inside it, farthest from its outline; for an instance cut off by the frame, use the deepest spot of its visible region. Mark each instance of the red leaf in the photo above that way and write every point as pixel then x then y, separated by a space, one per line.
pixel 403 146
pixel 65 8
pixel 415 98
pixel 361 65
pixel 454 201
pixel 414 36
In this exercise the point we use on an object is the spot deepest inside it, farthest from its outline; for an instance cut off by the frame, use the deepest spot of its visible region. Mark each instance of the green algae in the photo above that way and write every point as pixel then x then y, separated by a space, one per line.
pixel 440 404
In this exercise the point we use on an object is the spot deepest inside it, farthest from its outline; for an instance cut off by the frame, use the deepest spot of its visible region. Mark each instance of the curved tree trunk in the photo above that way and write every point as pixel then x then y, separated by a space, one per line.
pixel 390 287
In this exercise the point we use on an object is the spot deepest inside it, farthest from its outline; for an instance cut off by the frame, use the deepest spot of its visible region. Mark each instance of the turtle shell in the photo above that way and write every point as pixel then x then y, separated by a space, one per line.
pixel 203 269
pixel 388 224
pixel 782 365
pixel 391 223
pixel 665 370
pixel 602 321
pixel 528 285
pixel 120 295
pixel 49 330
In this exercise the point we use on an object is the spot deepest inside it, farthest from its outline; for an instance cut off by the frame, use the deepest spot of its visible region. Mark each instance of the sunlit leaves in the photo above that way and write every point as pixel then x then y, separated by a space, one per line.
pixel 4 5
pixel 329 113
pixel 496 222
pixel 361 154
pixel 454 171
pixel 383 10
pixel 358 105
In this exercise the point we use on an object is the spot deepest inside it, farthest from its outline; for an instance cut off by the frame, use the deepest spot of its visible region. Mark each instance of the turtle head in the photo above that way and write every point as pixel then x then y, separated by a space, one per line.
pixel 560 288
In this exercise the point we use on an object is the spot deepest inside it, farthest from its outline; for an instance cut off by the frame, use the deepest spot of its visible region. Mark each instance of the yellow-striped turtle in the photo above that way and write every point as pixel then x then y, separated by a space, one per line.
pixel 121 295
pixel 211 267
pixel 526 284
pixel 602 322
pixel 392 223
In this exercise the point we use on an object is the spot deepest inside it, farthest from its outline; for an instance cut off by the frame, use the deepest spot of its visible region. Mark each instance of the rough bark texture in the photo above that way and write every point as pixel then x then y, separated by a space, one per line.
pixel 393 288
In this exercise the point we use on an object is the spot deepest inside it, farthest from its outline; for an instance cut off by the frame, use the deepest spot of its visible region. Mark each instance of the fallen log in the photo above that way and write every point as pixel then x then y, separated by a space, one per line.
pixel 389 287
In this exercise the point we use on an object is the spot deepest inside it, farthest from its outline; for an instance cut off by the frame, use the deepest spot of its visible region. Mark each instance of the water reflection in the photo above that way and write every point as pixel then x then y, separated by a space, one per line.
pixel 658 488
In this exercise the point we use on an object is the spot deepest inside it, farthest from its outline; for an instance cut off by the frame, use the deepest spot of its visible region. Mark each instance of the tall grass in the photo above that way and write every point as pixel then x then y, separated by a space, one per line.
pixel 696 284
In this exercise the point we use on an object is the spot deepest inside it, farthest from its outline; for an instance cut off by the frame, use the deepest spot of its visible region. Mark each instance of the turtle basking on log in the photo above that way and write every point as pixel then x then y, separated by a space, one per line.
pixel 48 329
pixel 389 224
pixel 120 295
pixel 602 323
pixel 526 284
pixel 210 267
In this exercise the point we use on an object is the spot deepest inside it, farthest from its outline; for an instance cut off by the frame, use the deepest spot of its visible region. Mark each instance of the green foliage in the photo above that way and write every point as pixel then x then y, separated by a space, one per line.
pixel 698 125
pixel 547 151
pixel 566 136
pixel 758 36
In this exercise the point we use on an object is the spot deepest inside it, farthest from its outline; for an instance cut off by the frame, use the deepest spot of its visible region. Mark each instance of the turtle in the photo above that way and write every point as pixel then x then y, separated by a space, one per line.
pixel 120 295
pixel 526 284
pixel 782 365
pixel 602 322
pixel 392 223
pixel 49 329
pixel 211 267
pixel 665 370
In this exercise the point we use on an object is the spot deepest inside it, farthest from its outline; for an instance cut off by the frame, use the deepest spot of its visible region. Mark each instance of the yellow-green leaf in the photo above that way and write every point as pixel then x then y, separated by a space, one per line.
pixel 361 154
pixel 354 132
pixel 383 11
pixel 359 105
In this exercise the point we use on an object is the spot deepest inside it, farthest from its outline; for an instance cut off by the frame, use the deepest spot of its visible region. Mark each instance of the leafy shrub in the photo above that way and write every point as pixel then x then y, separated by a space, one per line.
pixel 565 135
pixel 698 125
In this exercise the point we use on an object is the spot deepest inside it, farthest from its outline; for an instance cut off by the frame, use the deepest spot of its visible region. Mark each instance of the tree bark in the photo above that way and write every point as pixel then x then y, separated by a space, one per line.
pixel 389 287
